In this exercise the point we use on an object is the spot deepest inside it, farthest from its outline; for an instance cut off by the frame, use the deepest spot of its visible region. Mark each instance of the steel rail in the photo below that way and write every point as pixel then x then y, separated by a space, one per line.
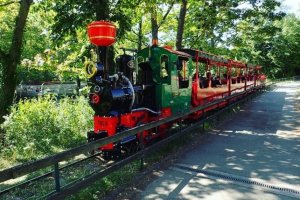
pixel 86 181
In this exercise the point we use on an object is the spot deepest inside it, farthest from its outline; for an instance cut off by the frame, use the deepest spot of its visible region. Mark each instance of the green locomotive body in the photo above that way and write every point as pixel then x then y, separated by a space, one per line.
pixel 171 73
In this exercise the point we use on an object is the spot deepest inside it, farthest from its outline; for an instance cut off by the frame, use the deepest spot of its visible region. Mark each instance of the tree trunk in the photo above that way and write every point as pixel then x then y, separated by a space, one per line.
pixel 102 9
pixel 11 60
pixel 106 53
pixel 180 28
pixel 154 25
pixel 140 35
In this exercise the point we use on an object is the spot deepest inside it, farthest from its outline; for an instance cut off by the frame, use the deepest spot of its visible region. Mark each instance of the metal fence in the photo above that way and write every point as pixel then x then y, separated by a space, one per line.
pixel 296 78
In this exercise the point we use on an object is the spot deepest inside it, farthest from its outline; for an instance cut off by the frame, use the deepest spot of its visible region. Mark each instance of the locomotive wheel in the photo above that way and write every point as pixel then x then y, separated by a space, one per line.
pixel 130 148
pixel 111 155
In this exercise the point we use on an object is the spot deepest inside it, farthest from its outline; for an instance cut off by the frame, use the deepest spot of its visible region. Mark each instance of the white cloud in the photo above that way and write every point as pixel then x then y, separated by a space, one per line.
pixel 291 6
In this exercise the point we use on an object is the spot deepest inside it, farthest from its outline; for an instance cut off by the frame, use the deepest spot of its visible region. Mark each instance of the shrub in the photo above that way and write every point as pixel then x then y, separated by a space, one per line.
pixel 33 75
pixel 39 127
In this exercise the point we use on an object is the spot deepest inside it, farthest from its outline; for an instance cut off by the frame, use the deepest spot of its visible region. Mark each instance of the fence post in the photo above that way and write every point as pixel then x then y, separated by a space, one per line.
pixel 218 117
pixel 203 124
pixel 56 177
pixel 180 125
pixel 142 147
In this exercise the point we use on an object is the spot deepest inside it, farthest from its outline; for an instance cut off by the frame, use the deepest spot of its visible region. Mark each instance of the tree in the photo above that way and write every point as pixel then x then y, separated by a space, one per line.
pixel 285 52
pixel 155 24
pixel 150 17
pixel 255 33
pixel 11 58
pixel 181 21
pixel 209 22
pixel 74 15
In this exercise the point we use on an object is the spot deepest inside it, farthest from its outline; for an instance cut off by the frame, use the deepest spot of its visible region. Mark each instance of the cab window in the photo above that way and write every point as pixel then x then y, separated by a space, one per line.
pixel 183 75
pixel 164 60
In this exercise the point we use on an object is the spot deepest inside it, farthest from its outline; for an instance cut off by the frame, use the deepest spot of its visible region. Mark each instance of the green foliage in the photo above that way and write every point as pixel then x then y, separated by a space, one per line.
pixel 209 22
pixel 270 42
pixel 285 52
pixel 37 32
pixel 102 187
pixel 41 55
pixel 76 14
pixel 35 75
pixel 36 36
pixel 7 17
pixel 1 75
pixel 39 127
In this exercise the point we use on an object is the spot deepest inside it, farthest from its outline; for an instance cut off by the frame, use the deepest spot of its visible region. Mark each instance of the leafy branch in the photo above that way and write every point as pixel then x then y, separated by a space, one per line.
pixel 135 41
pixel 166 14
pixel 9 2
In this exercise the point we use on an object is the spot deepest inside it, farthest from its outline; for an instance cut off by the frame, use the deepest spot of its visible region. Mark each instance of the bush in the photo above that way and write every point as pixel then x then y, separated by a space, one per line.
pixel 33 75
pixel 38 127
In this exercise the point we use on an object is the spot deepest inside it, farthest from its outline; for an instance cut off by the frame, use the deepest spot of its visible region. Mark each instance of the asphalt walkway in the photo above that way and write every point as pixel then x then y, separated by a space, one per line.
pixel 253 155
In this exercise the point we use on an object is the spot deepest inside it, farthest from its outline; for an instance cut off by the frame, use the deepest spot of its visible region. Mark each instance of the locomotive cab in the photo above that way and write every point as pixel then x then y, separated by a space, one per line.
pixel 171 72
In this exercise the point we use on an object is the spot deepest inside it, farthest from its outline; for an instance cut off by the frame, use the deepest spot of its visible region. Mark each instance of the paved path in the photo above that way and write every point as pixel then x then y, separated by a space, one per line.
pixel 260 145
